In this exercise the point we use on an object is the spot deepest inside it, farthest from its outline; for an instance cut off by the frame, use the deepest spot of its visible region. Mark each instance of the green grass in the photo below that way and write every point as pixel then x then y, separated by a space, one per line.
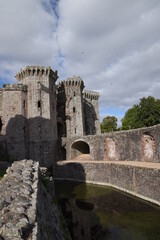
pixel 2 172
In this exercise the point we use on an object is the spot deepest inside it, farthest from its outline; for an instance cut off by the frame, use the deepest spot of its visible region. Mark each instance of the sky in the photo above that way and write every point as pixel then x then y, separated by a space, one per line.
pixel 114 45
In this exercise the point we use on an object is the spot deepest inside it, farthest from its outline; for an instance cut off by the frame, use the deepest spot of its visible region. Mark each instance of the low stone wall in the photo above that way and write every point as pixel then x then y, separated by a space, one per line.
pixel 140 181
pixel 27 209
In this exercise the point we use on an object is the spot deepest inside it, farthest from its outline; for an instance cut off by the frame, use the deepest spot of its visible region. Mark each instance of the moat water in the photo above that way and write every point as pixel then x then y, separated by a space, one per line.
pixel 94 212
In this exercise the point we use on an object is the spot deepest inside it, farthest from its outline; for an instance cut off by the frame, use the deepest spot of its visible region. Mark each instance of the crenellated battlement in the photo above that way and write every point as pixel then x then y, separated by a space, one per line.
pixel 70 82
pixel 15 87
pixel 60 85
pixel 91 95
pixel 74 82
pixel 38 71
pixel 60 88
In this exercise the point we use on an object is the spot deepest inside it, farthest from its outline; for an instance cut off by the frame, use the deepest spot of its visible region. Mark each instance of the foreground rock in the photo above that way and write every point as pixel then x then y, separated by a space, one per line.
pixel 27 210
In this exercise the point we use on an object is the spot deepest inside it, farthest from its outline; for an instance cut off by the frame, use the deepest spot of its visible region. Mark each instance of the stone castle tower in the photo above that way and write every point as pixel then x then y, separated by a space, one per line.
pixel 73 105
pixel 91 112
pixel 29 114
pixel 79 107
pixel 36 113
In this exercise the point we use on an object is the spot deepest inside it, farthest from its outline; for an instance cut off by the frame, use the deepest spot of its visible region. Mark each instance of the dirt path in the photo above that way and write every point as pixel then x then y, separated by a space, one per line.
pixel 86 159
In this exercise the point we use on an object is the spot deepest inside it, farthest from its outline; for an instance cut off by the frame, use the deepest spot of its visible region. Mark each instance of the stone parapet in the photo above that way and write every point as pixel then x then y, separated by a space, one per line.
pixel 74 82
pixel 15 87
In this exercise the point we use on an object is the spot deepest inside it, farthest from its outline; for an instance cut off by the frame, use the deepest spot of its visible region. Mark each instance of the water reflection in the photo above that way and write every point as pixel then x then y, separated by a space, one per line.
pixel 101 213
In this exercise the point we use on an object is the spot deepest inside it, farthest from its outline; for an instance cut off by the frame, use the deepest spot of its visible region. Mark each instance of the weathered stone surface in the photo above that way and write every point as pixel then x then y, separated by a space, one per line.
pixel 27 209
pixel 17 200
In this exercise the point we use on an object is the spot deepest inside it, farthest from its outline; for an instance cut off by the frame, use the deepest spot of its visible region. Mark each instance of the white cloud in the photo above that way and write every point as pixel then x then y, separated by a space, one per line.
pixel 28 33
pixel 113 45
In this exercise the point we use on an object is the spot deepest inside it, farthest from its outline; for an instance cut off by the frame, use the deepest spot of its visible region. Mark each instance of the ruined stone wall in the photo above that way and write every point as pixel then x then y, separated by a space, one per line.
pixel 27 208
pixel 134 145
pixel 91 112
pixel 140 181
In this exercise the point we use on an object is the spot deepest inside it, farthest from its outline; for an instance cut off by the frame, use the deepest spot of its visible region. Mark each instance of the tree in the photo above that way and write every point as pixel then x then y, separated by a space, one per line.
pixel 129 120
pixel 145 114
pixel 109 124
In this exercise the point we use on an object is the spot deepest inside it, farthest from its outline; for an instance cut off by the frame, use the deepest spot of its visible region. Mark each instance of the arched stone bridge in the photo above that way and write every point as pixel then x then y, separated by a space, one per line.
pixel 77 146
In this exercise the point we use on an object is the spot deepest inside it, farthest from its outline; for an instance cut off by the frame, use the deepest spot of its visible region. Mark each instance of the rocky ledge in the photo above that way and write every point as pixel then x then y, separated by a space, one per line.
pixel 28 207
pixel 18 201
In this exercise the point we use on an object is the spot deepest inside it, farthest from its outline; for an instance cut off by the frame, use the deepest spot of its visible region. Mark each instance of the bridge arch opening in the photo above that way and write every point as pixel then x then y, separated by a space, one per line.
pixel 80 148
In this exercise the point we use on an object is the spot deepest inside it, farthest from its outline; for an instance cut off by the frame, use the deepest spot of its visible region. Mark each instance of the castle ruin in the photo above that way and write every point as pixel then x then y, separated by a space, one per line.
pixel 39 121
pixel 36 113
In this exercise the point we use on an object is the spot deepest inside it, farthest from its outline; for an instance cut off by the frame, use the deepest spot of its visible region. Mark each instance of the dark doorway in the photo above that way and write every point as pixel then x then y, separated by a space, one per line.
pixel 61 130
pixel 62 153
pixel 79 148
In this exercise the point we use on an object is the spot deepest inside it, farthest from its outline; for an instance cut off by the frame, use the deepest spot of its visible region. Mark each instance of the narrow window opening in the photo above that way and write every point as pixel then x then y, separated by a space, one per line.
pixel 39 128
pixel 39 104
pixel 74 94
pixel 1 124
pixel 24 104
pixel 24 129
pixel 74 109
pixel 75 130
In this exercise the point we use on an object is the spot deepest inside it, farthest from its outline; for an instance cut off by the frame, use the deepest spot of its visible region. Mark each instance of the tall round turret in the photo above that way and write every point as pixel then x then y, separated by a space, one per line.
pixel 40 111
pixel 74 106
